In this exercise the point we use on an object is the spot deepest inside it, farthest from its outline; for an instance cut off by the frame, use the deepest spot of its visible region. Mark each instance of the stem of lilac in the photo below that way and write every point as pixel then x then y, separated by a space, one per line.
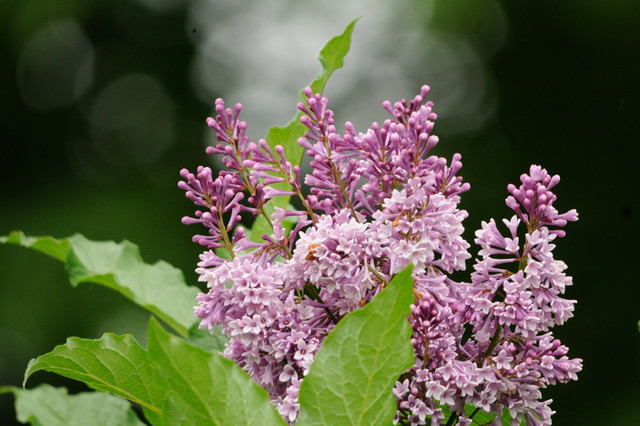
pixel 316 296
pixel 225 236
pixel 297 190
pixel 377 274
pixel 494 340
pixel 266 216
pixel 305 204
pixel 522 264
pixel 250 186
pixel 336 176
pixel 343 191
pixel 287 251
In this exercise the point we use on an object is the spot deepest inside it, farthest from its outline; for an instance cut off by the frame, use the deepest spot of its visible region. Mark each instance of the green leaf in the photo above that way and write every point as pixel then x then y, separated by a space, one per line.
pixel 480 417
pixel 331 58
pixel 206 388
pixel 49 406
pixel 351 379
pixel 209 342
pixel 114 364
pixel 506 418
pixel 50 246
pixel 160 288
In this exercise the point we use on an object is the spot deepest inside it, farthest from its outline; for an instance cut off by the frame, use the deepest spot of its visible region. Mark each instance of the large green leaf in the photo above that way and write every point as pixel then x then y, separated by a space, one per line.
pixel 331 58
pixel 114 364
pixel 351 379
pixel 49 406
pixel 206 388
pixel 159 287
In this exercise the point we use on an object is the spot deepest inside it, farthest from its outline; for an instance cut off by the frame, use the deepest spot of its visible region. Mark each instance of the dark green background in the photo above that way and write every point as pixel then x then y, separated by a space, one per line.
pixel 567 81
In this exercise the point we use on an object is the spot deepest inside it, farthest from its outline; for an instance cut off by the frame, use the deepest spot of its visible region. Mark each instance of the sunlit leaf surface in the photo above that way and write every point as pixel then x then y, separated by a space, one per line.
pixel 352 376
pixel 114 364
pixel 49 406
pixel 160 288
pixel 205 388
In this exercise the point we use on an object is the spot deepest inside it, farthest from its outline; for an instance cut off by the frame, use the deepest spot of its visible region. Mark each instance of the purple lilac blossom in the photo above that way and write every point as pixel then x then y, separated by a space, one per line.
pixel 378 201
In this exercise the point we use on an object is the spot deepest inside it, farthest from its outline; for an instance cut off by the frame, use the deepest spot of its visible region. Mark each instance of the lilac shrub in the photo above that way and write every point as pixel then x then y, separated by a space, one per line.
pixel 373 203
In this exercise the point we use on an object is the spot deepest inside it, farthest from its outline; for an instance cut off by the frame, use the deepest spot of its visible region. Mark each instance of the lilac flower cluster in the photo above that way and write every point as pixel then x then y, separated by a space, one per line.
pixel 487 342
pixel 377 201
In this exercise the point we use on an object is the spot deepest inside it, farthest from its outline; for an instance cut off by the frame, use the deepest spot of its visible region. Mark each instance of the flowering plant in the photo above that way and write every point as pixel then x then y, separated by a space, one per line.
pixel 339 301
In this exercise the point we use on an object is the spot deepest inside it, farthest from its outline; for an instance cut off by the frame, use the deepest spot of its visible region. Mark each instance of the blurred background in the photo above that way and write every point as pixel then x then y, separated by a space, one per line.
pixel 103 102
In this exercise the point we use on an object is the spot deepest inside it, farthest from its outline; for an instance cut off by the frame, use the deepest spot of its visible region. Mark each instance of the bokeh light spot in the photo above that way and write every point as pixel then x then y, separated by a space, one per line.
pixel 56 66
pixel 133 121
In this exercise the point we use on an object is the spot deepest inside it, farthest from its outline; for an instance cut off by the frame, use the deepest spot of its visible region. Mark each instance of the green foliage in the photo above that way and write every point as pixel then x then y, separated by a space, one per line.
pixel 160 288
pixel 49 406
pixel 57 249
pixel 114 364
pixel 331 58
pixel 352 376
pixel 205 388
pixel 211 342
pixel 176 382
pixel 479 417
